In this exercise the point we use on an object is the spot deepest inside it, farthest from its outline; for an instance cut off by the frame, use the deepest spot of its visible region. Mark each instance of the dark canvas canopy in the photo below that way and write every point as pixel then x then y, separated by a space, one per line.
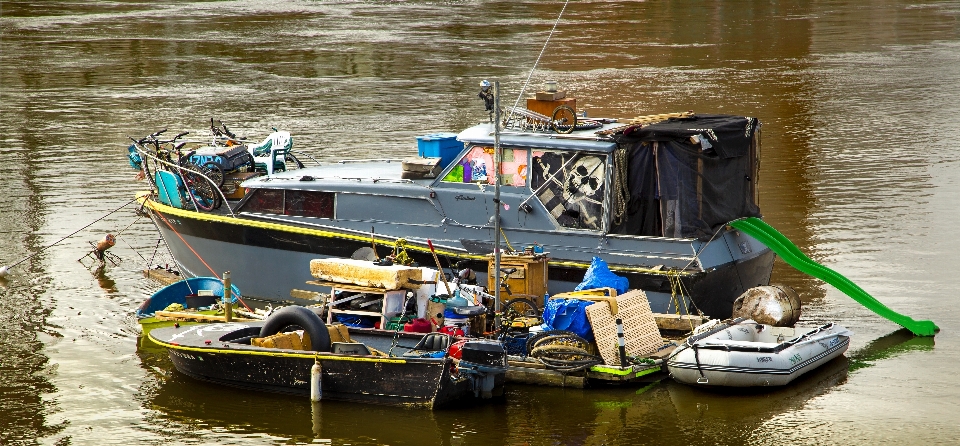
pixel 687 177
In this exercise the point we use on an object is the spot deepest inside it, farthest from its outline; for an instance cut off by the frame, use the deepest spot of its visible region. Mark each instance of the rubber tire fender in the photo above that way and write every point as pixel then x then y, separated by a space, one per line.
pixel 302 317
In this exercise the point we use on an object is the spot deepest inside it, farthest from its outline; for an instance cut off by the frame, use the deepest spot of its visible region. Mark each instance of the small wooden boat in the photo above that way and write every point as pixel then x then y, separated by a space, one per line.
pixel 743 353
pixel 197 293
pixel 370 366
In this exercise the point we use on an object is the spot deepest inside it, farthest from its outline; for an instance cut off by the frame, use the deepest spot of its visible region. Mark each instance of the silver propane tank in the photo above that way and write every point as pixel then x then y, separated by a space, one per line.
pixel 777 305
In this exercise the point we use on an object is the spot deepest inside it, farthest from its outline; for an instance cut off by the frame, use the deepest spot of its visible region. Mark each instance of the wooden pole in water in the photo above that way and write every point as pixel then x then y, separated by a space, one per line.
pixel 621 344
pixel 227 305
pixel 316 376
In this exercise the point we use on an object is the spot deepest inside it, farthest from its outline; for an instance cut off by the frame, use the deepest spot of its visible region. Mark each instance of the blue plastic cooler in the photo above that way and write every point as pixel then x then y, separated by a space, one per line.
pixel 439 145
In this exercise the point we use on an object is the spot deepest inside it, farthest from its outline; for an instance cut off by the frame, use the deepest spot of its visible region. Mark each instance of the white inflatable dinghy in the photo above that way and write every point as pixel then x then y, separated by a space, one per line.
pixel 743 353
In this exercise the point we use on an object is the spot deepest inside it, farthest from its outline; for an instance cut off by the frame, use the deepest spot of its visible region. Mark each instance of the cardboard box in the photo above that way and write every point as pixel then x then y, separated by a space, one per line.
pixel 231 184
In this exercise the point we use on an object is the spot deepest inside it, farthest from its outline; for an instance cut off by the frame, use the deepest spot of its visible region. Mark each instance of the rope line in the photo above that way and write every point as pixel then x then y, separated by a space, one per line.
pixel 70 235
pixel 128 245
pixel 542 50
pixel 195 253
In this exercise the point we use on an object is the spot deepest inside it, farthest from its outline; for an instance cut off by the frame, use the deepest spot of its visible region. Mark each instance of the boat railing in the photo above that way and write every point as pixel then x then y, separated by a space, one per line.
pixel 370 160
pixel 147 157
pixel 297 153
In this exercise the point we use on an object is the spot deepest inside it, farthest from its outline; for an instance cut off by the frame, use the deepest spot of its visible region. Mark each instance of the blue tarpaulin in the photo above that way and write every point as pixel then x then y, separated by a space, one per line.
pixel 600 276
pixel 570 315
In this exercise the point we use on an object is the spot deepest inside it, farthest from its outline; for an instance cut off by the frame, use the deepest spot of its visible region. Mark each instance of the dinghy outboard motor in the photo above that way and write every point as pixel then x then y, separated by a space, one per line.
pixel 777 305
pixel 485 362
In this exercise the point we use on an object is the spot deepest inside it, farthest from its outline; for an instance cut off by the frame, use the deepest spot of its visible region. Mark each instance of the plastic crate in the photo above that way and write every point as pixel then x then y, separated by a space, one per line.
pixel 396 323
pixel 439 145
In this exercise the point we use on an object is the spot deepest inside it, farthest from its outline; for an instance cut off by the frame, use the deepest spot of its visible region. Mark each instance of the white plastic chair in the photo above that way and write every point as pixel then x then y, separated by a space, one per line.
pixel 269 155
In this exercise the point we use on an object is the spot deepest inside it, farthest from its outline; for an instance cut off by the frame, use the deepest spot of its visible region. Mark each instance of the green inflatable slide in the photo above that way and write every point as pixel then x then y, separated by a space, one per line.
pixel 789 252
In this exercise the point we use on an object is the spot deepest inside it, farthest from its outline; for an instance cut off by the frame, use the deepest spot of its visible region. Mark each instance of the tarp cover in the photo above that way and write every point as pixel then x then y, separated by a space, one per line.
pixel 681 189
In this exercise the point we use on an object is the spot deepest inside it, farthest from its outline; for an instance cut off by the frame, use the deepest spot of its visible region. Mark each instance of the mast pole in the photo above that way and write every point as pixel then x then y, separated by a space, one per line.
pixel 496 200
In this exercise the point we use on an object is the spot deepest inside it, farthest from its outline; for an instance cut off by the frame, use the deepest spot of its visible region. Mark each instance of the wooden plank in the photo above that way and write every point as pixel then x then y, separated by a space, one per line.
pixel 177 315
pixel 651 119
pixel 347 287
pixel 306 295
pixel 526 364
pixel 366 274
pixel 161 275
pixel 544 377
pixel 676 322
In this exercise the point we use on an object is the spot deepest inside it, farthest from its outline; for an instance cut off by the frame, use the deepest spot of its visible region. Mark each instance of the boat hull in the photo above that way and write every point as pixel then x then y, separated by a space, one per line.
pixel 268 259
pixel 723 360
pixel 396 381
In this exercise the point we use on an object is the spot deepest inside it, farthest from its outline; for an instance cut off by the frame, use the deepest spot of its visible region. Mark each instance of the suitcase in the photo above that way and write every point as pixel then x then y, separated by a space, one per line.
pixel 231 184
pixel 228 159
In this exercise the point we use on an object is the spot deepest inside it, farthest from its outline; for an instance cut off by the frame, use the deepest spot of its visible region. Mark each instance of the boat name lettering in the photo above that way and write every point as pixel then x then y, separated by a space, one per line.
pixel 764 359
pixel 462 197
pixel 831 343
pixel 298 382
pixel 795 359
pixel 182 354
pixel 743 330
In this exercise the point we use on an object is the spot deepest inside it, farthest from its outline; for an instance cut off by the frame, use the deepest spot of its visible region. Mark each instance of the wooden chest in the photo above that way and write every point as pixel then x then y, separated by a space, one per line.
pixel 530 278
pixel 231 184
pixel 547 107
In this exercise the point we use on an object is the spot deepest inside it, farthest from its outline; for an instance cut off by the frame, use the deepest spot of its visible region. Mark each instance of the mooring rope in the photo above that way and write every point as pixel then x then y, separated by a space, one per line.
pixel 4 269
pixel 195 253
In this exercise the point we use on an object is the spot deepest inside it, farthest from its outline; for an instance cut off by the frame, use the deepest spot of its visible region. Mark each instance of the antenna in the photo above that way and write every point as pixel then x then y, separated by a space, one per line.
pixel 542 50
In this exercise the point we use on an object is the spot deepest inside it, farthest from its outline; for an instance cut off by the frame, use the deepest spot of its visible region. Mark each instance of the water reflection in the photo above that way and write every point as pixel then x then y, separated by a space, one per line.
pixel 889 346
pixel 106 283
pixel 828 80
pixel 184 408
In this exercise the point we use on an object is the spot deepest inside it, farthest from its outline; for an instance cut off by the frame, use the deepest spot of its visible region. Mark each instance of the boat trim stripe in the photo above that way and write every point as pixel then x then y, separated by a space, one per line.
pixel 275 353
pixel 161 208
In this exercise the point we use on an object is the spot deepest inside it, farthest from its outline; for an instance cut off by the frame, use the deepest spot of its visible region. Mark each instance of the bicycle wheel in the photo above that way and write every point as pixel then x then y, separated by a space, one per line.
pixel 195 178
pixel 216 172
pixel 203 204
pixel 564 119
pixel 519 307
pixel 151 176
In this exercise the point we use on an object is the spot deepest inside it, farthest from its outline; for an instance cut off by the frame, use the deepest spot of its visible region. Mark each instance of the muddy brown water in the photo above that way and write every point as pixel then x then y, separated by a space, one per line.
pixel 859 103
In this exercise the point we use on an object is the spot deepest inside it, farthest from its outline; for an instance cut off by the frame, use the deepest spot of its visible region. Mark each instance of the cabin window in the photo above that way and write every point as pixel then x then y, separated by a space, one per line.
pixel 300 203
pixel 265 201
pixel 303 203
pixel 571 185
pixel 477 167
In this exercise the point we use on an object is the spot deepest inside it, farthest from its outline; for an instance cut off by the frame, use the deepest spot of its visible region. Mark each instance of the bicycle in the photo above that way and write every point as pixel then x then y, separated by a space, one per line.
pixel 198 184
pixel 167 155
pixel 160 153
pixel 518 311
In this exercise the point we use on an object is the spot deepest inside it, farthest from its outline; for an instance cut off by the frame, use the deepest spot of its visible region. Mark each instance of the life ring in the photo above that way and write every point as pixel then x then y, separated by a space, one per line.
pixel 302 317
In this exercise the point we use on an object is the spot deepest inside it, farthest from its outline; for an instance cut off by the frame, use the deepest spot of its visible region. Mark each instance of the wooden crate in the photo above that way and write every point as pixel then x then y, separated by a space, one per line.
pixel 530 278
pixel 547 107
pixel 641 334
pixel 365 274
pixel 231 184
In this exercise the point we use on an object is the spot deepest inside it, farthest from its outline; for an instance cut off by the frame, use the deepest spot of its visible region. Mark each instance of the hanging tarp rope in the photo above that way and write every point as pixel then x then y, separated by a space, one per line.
pixel 789 252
